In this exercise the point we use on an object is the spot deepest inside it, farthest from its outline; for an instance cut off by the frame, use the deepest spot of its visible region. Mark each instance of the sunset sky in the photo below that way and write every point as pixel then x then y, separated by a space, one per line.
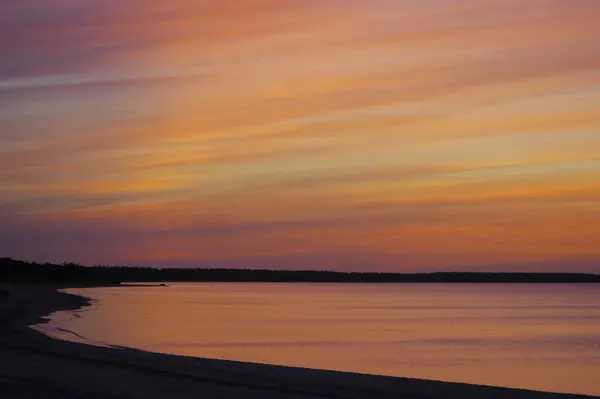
pixel 379 135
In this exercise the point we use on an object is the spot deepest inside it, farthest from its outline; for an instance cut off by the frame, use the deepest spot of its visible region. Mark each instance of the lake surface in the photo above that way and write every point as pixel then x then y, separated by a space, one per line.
pixel 544 337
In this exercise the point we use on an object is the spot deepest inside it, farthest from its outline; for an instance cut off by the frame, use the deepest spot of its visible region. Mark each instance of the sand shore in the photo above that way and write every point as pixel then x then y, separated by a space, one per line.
pixel 33 365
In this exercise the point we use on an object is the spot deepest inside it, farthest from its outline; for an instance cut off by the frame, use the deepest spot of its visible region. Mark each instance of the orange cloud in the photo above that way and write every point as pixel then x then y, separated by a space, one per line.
pixel 387 135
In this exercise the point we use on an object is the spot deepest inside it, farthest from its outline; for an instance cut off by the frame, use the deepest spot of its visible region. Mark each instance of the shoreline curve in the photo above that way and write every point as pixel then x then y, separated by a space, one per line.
pixel 35 365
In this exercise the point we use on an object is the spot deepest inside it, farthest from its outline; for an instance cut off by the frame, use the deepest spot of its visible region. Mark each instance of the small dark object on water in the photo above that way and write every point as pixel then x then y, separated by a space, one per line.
pixel 164 285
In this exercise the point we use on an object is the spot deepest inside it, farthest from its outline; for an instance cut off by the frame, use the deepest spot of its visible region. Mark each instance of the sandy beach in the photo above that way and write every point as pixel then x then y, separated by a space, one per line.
pixel 33 365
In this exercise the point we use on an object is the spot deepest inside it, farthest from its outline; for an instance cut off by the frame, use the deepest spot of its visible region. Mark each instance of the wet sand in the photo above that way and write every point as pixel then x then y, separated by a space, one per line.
pixel 33 365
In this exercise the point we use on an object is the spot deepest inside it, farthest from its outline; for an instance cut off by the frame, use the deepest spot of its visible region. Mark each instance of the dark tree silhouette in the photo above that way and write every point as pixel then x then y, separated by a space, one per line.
pixel 12 270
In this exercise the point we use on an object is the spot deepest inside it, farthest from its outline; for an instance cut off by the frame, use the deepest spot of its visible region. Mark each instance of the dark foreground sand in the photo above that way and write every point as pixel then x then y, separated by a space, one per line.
pixel 35 366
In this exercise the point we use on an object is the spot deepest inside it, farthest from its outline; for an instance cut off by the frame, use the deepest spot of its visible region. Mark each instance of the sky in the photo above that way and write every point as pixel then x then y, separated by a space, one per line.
pixel 380 135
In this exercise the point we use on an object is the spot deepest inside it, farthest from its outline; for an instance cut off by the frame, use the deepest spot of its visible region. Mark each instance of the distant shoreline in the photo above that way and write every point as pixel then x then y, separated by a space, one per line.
pixel 12 270
pixel 33 365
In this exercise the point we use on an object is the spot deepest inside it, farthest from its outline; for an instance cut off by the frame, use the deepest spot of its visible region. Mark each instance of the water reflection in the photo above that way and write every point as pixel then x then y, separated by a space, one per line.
pixel 544 337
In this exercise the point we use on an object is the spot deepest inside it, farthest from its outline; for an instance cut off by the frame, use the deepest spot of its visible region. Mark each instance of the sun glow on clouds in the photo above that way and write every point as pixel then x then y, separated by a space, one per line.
pixel 380 135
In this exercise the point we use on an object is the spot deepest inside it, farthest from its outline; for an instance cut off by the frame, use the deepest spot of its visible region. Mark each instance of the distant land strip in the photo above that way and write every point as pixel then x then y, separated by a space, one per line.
pixel 12 270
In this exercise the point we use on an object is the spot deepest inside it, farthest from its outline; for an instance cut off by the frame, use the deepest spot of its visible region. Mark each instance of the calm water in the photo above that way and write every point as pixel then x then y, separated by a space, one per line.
pixel 544 337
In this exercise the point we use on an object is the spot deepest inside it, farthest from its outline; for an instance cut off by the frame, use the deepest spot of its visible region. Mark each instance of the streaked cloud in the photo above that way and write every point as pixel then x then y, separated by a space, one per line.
pixel 382 135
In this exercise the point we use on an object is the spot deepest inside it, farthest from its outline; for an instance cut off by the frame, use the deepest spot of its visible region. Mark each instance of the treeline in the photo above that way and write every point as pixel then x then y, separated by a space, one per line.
pixel 12 270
